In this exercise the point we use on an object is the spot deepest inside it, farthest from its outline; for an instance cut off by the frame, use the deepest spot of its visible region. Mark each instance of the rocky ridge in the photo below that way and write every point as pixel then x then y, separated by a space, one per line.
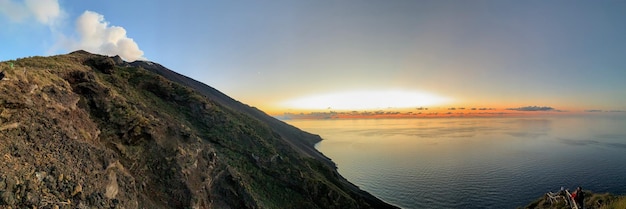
pixel 90 131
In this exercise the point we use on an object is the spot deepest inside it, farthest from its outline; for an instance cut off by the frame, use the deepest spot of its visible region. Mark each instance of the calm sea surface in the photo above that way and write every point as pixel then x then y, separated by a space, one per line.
pixel 476 162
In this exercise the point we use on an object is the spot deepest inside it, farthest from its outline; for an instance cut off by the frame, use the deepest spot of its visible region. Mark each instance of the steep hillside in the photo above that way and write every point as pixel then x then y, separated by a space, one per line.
pixel 301 141
pixel 84 131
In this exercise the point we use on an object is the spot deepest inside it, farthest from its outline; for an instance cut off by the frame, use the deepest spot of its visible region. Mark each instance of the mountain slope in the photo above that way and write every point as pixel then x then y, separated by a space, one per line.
pixel 301 141
pixel 84 130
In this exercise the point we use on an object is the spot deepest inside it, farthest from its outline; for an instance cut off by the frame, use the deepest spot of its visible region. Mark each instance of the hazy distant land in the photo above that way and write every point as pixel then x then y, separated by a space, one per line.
pixel 424 112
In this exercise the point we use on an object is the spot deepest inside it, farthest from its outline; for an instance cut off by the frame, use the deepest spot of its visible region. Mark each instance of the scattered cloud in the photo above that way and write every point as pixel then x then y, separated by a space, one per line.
pixel 526 134
pixel 578 142
pixel 97 36
pixel 611 136
pixel 585 142
pixel 616 144
pixel 593 110
pixel 14 11
pixel 91 32
pixel 532 108
pixel 46 12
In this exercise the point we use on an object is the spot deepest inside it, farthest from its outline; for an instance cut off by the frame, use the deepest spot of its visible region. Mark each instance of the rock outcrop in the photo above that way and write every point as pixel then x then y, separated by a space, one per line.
pixel 592 201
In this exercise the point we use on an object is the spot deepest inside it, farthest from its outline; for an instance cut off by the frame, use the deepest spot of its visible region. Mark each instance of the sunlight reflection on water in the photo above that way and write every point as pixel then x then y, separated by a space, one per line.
pixel 475 162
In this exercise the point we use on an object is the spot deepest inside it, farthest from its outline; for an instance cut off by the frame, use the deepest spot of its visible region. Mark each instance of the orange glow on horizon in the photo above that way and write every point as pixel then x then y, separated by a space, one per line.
pixel 365 100
pixel 436 113
pixel 426 112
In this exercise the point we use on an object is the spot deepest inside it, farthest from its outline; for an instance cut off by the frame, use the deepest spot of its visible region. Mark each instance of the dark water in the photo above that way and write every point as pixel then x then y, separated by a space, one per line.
pixel 476 162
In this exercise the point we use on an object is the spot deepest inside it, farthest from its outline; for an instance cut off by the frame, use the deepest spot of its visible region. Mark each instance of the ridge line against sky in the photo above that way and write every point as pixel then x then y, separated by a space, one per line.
pixel 91 32
pixel 569 55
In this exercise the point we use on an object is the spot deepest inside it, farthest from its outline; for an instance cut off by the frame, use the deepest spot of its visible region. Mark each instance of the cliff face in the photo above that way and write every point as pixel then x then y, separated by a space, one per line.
pixel 84 130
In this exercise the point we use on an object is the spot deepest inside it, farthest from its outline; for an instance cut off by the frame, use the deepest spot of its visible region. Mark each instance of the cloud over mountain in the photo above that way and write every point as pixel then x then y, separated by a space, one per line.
pixel 532 108
pixel 91 31
pixel 97 36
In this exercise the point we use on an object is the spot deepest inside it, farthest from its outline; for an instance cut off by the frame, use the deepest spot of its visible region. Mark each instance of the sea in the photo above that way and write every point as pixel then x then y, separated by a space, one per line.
pixel 497 162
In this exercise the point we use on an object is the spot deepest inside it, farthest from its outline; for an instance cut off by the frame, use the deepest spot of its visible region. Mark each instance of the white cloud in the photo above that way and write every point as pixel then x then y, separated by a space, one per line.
pixel 46 12
pixel 97 36
pixel 15 11
pixel 92 32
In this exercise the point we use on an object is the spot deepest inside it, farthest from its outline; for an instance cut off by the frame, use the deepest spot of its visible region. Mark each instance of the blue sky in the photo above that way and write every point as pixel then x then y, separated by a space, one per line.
pixel 563 54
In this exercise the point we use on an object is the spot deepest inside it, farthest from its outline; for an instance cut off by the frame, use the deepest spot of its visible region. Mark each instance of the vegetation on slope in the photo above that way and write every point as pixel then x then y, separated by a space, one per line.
pixel 592 201
pixel 83 130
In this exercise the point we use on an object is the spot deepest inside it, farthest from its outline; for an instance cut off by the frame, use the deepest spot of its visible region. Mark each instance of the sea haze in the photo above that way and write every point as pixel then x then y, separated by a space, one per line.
pixel 476 162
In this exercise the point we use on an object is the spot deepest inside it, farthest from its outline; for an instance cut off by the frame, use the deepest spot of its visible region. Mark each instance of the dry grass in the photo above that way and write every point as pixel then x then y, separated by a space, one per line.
pixel 619 203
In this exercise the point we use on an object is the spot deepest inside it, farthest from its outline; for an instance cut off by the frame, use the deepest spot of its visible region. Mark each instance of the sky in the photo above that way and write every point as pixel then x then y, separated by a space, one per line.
pixel 290 56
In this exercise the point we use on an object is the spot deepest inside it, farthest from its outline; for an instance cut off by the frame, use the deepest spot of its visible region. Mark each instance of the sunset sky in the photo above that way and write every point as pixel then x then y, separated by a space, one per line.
pixel 317 55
